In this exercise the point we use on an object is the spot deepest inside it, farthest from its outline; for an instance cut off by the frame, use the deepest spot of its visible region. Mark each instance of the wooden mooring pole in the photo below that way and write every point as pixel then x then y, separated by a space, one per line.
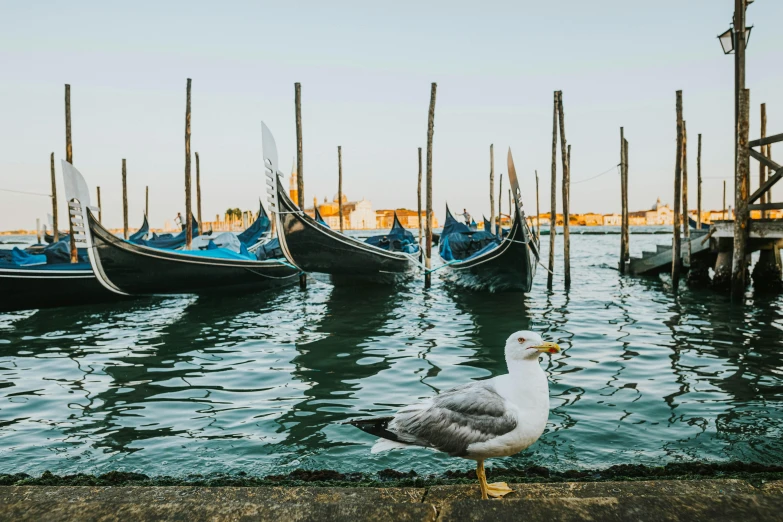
pixel 500 206
pixel 623 209
pixel 38 230
pixel 724 200
pixel 627 249
pixel 69 159
pixel 124 200
pixel 54 200
pixel 198 195
pixel 340 184
pixel 492 191
pixel 741 181
pixel 418 197
pixel 763 168
pixel 553 201
pixel 676 258
pixel 565 156
pixel 299 161
pixel 100 208
pixel 188 228
pixel 538 220
pixel 430 131
pixel 698 185
pixel 686 229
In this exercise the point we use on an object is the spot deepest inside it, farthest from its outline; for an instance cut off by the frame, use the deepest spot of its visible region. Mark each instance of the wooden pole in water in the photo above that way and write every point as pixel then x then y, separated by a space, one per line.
pixel 198 194
pixel 299 161
pixel 38 230
pixel 538 220
pixel 698 185
pixel 686 229
pixel 741 180
pixel 188 228
pixel 627 250
pixel 565 155
pixel 500 206
pixel 340 183
pixel 418 195
pixel 763 168
pixel 677 198
pixel 124 200
pixel 430 132
pixel 69 159
pixel 54 200
pixel 724 199
pixel 100 208
pixel 147 202
pixel 492 190
pixel 623 201
pixel 553 200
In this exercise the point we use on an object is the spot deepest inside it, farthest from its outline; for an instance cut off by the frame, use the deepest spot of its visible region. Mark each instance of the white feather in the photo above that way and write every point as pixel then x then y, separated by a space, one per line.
pixel 386 445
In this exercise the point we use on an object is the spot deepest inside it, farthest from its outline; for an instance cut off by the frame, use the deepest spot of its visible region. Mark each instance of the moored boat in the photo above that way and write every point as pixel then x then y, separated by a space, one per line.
pixel 127 268
pixel 479 260
pixel 314 247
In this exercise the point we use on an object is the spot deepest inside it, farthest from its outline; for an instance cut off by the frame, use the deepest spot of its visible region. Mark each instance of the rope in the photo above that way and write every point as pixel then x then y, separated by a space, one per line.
pixel 28 193
pixel 607 171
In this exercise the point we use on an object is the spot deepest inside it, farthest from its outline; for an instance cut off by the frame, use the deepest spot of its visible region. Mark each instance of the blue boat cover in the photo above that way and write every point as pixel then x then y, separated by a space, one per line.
pixel 259 227
pixel 170 242
pixel 269 250
pixel 21 258
pixel 397 240
pixel 221 253
pixel 487 225
pixel 319 219
pixel 459 243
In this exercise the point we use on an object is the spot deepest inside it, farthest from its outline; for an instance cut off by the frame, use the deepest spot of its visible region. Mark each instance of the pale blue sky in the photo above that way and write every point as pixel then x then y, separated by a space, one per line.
pixel 365 74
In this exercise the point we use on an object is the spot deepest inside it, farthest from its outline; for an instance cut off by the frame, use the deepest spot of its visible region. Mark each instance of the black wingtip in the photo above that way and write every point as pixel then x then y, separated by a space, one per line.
pixel 377 426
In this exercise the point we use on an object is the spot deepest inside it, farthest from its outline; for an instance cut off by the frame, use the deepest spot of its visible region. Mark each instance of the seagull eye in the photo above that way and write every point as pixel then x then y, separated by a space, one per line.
pixel 521 340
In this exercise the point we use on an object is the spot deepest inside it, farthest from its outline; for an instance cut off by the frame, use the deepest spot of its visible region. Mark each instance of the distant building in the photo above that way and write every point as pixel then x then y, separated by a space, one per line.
pixel 659 214
pixel 357 215
pixel 592 220
pixel 408 218
pixel 613 220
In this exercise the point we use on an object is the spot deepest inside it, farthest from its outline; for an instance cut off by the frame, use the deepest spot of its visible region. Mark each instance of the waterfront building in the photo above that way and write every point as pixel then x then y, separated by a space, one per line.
pixel 357 215
pixel 613 220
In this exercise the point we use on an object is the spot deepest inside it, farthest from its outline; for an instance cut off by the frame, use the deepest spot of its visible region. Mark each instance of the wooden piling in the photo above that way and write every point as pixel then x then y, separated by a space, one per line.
pixel 38 230
pixel 565 156
pixel 430 131
pixel 538 220
pixel 69 159
pixel 677 198
pixel 500 206
pixel 623 201
pixel 188 229
pixel 698 185
pixel 54 200
pixel 299 161
pixel 418 197
pixel 198 194
pixel 686 229
pixel 553 200
pixel 492 190
pixel 762 167
pixel 741 181
pixel 100 208
pixel 627 249
pixel 340 184
pixel 124 200
pixel 724 200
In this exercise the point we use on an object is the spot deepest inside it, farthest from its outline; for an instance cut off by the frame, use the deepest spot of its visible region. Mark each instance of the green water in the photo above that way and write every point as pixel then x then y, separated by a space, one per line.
pixel 260 383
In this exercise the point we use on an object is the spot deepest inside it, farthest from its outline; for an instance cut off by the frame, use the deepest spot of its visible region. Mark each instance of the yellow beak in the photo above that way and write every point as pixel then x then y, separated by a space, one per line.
pixel 548 347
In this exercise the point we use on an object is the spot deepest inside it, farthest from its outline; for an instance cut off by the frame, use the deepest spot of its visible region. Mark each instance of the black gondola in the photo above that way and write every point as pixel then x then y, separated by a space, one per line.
pixel 49 238
pixel 694 224
pixel 127 268
pixel 491 264
pixel 314 247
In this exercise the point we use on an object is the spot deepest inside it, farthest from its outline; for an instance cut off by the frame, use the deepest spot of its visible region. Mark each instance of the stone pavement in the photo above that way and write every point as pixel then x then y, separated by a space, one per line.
pixel 702 500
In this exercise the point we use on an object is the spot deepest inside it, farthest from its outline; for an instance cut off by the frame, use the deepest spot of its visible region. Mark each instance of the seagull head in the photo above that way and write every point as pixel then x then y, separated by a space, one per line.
pixel 527 345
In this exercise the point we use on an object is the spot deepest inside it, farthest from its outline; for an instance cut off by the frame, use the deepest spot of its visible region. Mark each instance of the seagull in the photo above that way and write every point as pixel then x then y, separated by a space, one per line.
pixel 495 417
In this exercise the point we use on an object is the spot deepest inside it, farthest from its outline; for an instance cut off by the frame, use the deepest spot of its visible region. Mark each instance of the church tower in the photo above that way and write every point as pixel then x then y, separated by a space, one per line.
pixel 293 186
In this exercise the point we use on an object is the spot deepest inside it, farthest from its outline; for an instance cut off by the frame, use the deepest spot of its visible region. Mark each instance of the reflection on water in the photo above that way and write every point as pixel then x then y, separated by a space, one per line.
pixel 262 383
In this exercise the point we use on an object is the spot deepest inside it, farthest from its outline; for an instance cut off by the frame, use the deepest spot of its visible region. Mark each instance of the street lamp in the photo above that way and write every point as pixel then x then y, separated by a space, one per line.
pixel 727 39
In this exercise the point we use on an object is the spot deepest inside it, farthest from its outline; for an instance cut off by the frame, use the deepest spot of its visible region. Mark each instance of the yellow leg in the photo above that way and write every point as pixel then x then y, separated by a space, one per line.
pixel 482 477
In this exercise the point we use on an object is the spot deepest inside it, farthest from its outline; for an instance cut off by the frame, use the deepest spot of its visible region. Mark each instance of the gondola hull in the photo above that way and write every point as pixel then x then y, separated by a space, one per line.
pixel 30 288
pixel 136 269
pixel 510 266
pixel 316 248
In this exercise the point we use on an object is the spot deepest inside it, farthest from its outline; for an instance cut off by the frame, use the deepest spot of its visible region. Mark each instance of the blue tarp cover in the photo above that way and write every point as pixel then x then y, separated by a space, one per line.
pixel 458 242
pixel 397 240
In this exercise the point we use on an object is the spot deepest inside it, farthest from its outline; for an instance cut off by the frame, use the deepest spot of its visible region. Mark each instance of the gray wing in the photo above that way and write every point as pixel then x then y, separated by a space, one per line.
pixel 455 419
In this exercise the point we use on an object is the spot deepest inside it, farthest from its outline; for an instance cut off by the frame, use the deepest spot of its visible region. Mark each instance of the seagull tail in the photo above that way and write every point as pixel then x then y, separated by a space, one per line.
pixel 377 426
